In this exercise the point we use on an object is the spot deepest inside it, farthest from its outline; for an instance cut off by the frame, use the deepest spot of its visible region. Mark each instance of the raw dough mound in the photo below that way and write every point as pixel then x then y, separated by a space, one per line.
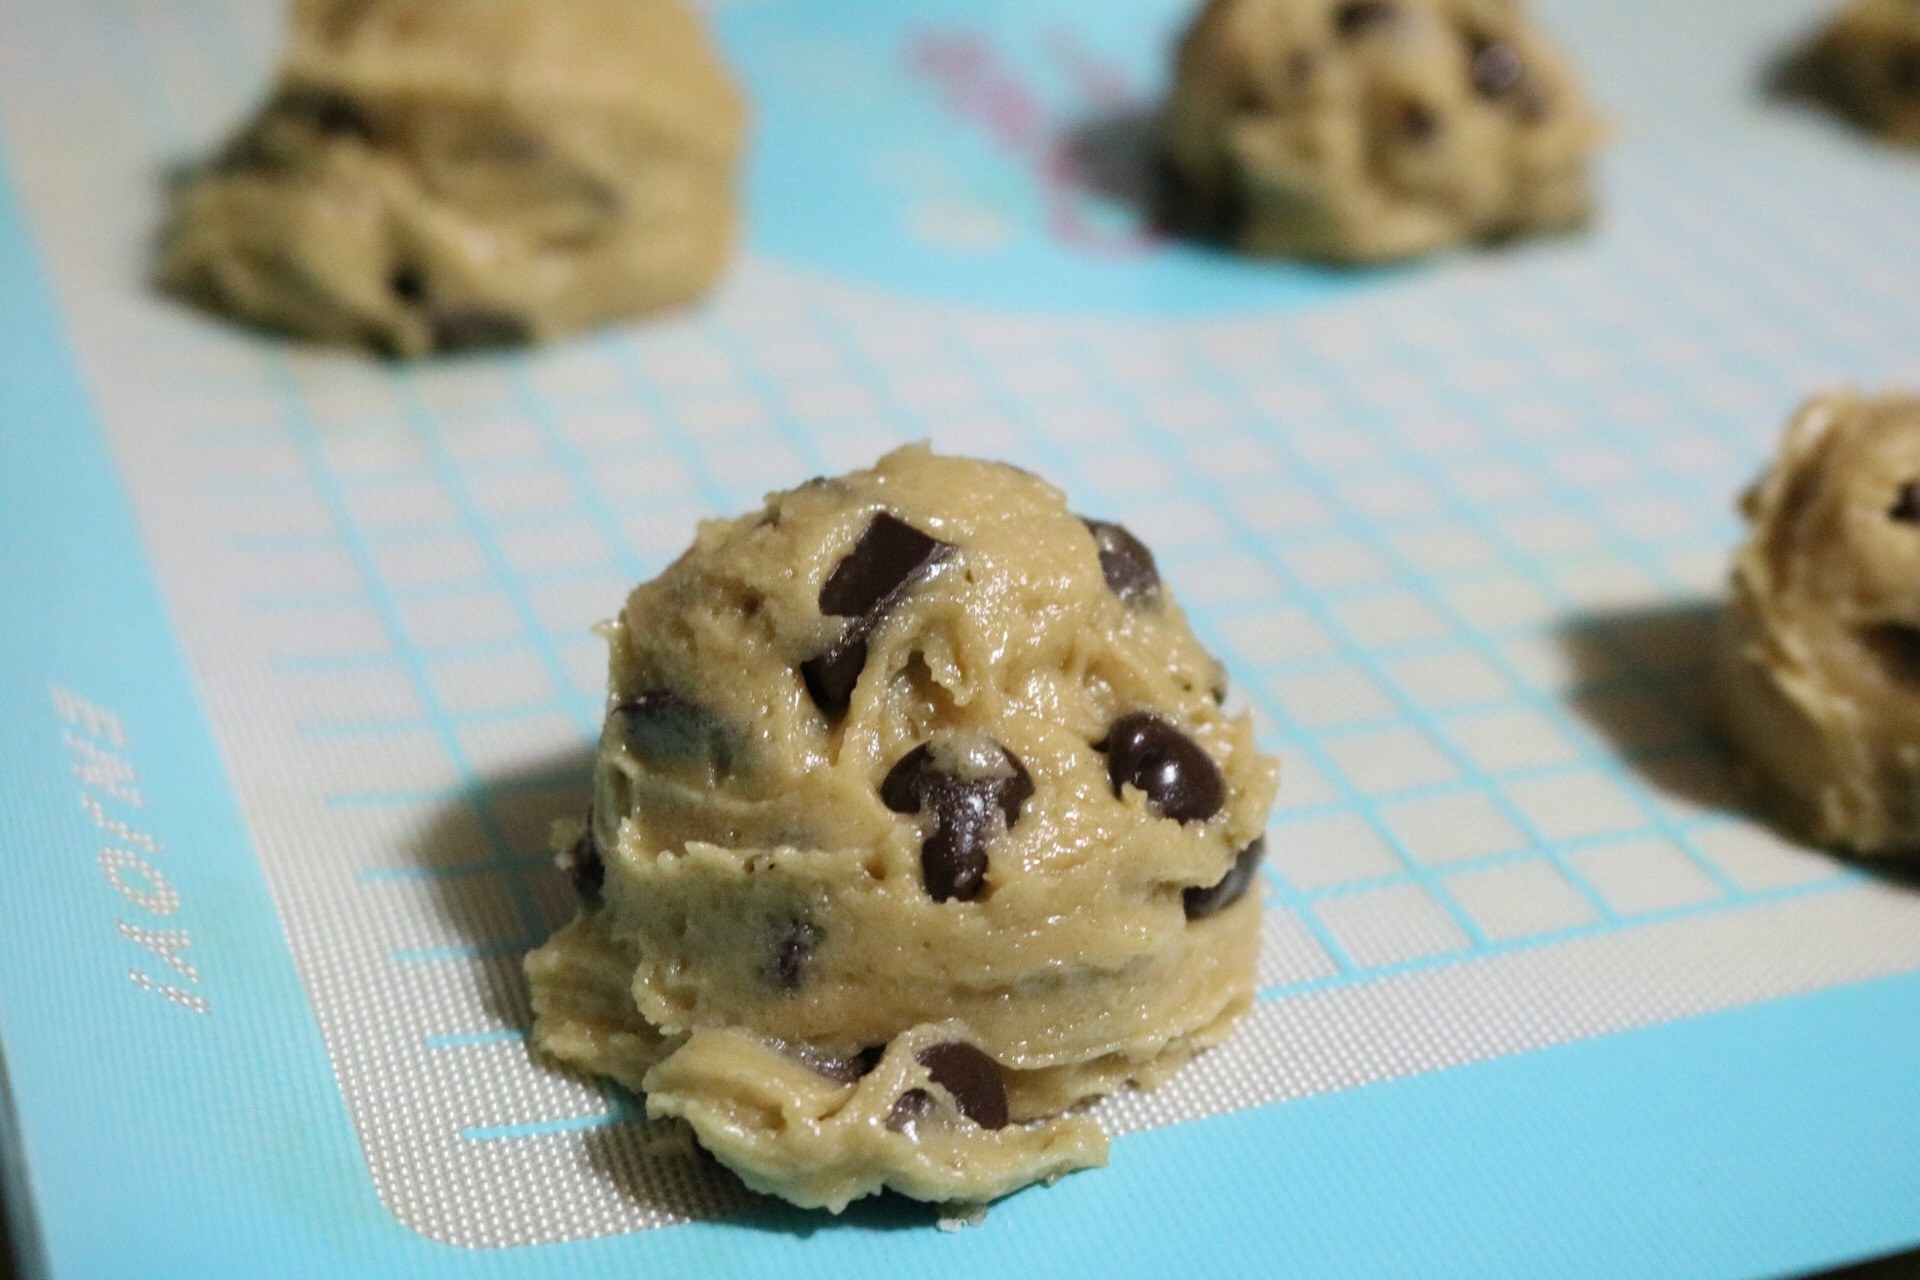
pixel 1364 131
pixel 436 175
pixel 916 823
pixel 1866 66
pixel 1819 657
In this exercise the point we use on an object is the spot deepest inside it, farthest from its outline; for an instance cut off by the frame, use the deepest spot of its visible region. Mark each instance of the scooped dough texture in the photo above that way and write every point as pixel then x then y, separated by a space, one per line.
pixel 1819 658
pixel 1016 821
pixel 1364 131
pixel 448 174
pixel 1866 66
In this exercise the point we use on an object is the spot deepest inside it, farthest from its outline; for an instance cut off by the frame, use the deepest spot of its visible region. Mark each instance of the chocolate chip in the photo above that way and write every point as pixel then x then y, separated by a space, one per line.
pixel 1360 16
pixel 909 1109
pixel 1906 505
pixel 1126 563
pixel 1903 73
pixel 584 866
pixel 664 729
pixel 1181 780
pixel 1419 123
pixel 845 1070
pixel 477 329
pixel 408 284
pixel 793 946
pixel 967 815
pixel 1203 902
pixel 889 557
pixel 972 1078
pixel 1497 68
pixel 334 115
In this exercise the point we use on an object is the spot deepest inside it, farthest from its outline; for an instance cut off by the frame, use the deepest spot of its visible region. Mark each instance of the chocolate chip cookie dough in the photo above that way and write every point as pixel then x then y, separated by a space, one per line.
pixel 1819 657
pixel 437 175
pixel 1364 131
pixel 916 824
pixel 1866 66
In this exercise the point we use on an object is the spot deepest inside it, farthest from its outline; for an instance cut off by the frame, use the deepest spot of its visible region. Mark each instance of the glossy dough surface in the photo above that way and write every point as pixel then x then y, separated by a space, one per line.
pixel 887 919
pixel 1819 659
pixel 439 175
pixel 1365 131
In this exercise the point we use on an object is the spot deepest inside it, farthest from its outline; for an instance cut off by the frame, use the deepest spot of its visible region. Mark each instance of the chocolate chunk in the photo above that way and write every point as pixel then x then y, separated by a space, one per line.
pixel 1906 505
pixel 1126 563
pixel 1203 902
pixel 477 329
pixel 889 557
pixel 584 867
pixel 663 729
pixel 1497 68
pixel 793 945
pixel 847 1070
pixel 909 1109
pixel 1357 17
pixel 972 1078
pixel 1181 781
pixel 953 858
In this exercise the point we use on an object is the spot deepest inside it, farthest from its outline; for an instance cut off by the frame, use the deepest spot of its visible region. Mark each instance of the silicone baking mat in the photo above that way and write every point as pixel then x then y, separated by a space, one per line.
pixel 299 667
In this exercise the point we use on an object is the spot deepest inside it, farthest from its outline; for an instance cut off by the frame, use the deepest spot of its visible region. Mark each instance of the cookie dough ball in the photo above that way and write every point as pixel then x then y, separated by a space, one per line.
pixel 1866 66
pixel 917 823
pixel 1364 131
pixel 1819 657
pixel 437 175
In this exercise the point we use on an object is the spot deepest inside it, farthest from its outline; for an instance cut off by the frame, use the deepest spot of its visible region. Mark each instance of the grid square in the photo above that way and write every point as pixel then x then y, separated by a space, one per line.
pixel 1303 784
pixel 411 563
pixel 1388 619
pixel 1500 602
pixel 1556 663
pixel 1282 508
pixel 522 491
pixel 490 682
pixel 1639 719
pixel 1391 926
pixel 1289 953
pixel 1328 850
pixel 321 631
pixel 1388 760
pixel 1576 805
pixel 1330 696
pixel 1170 525
pixel 1452 677
pixel 1509 740
pixel 577 604
pixel 444 620
pixel 412 503
pixel 543 549
pixel 1640 876
pixel 1284 634
pixel 1336 562
pixel 1223 579
pixel 1550 534
pixel 519 744
pixel 1440 830
pixel 1606 583
pixel 659 531
pixel 1757 860
pixel 1520 900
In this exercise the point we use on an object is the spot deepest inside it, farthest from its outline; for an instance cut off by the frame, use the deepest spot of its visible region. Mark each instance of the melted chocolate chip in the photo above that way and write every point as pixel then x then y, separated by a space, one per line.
pixel 1181 781
pixel 1203 902
pixel 1497 68
pixel 1126 563
pixel 584 867
pixel 889 557
pixel 664 729
pixel 1906 504
pixel 408 285
pixel 477 329
pixel 972 1078
pixel 967 815
pixel 909 1109
pixel 1357 17
pixel 793 946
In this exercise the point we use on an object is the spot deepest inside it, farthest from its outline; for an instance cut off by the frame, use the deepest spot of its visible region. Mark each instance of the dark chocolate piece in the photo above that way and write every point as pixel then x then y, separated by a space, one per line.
pixel 1906 504
pixel 478 329
pixel 953 858
pixel 408 284
pixel 1357 17
pixel 1497 68
pixel 1181 780
pixel 1203 902
pixel 1126 563
pixel 584 866
pixel 889 557
pixel 972 1078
